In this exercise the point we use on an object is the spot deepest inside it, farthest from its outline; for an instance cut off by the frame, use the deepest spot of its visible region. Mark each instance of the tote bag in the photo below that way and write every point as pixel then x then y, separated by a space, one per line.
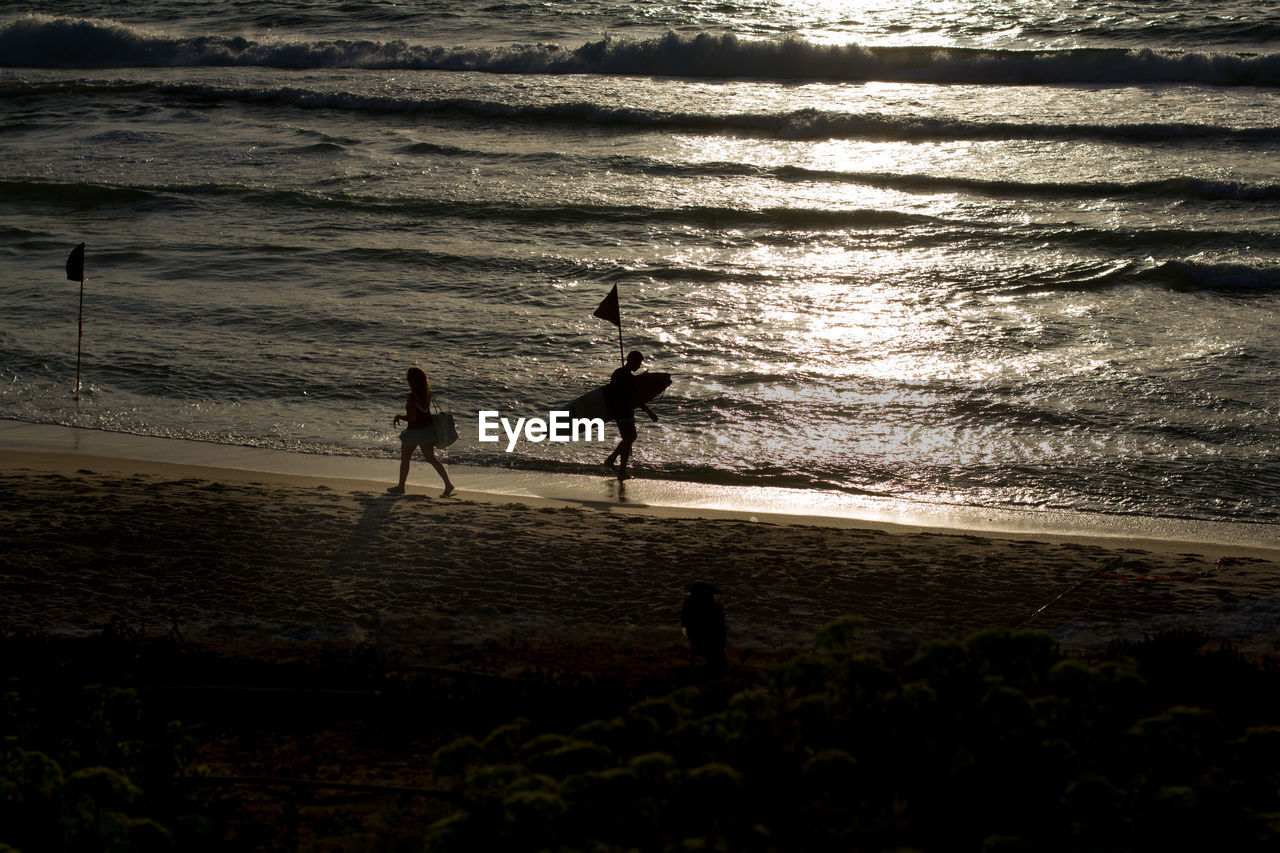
pixel 446 430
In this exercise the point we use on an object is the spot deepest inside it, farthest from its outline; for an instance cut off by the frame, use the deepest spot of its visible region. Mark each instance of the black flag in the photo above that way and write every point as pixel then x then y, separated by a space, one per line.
pixel 75 272
pixel 608 309
pixel 75 264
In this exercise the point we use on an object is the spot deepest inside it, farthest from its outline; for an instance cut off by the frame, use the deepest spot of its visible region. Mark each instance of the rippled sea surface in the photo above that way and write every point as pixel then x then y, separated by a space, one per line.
pixel 1014 255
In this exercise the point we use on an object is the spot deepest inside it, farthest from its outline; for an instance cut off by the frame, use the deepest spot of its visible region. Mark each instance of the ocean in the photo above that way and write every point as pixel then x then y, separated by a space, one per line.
pixel 1022 256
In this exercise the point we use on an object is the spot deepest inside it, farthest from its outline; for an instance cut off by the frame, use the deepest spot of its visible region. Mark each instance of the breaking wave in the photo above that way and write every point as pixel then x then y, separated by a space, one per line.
pixel 43 41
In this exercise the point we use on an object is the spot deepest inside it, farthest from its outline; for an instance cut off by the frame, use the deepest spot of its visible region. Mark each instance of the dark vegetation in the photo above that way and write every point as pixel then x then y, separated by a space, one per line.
pixel 996 743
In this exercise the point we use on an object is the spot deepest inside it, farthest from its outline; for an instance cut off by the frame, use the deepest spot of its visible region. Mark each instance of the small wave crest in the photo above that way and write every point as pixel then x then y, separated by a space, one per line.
pixel 81 195
pixel 1178 189
pixel 1228 279
pixel 1224 279
pixel 45 41
pixel 791 124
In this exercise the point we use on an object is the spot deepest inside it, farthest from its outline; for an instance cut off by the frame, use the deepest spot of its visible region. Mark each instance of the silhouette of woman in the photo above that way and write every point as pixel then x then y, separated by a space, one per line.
pixel 421 431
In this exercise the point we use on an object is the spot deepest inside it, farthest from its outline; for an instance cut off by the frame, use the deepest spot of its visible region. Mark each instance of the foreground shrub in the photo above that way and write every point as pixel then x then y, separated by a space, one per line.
pixel 69 765
pixel 994 744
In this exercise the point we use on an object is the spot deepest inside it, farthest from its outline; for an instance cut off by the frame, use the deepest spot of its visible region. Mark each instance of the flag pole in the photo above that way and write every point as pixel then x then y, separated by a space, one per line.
pixel 79 335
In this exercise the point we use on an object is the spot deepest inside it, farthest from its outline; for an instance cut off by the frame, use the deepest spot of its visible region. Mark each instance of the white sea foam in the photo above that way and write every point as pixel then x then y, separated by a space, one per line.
pixel 43 41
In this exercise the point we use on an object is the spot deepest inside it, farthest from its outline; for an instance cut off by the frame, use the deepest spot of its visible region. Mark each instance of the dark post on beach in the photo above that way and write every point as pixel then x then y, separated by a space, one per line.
pixel 75 272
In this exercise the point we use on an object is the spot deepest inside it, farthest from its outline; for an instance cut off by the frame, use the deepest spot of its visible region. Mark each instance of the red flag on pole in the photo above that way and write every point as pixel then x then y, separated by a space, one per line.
pixel 608 309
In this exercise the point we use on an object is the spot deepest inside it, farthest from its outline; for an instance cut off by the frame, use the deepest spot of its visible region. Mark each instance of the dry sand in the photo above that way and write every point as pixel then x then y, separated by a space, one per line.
pixel 280 563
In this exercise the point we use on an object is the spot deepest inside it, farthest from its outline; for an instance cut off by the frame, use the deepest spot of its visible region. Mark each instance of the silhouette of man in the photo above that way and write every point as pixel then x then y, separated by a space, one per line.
pixel 620 397
pixel 702 618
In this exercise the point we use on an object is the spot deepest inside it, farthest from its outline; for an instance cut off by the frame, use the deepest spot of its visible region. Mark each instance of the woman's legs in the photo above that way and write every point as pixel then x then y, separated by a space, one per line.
pixel 429 453
pixel 406 454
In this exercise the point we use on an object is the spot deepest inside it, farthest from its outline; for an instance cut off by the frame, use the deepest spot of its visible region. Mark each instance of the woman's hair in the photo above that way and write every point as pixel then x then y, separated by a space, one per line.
pixel 418 382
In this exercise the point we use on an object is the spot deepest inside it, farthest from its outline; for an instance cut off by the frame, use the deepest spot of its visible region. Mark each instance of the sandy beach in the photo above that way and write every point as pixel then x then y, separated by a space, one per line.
pixel 284 563
pixel 250 604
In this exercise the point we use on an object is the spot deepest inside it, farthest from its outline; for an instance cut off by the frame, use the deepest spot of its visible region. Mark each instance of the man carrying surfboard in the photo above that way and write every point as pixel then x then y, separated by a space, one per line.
pixel 620 397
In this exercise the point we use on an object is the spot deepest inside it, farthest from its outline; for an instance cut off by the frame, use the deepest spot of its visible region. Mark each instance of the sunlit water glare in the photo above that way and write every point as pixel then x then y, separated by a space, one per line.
pixel 949 252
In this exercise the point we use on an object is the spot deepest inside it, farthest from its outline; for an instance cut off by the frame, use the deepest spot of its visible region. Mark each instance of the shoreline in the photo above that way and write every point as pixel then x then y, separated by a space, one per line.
pixel 58 446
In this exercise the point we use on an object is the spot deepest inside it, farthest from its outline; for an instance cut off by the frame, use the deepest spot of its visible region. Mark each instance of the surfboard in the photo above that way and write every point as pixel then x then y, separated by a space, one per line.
pixel 593 405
